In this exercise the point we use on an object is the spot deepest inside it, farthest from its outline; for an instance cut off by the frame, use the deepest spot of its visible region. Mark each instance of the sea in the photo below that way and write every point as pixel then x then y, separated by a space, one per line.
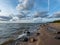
pixel 13 30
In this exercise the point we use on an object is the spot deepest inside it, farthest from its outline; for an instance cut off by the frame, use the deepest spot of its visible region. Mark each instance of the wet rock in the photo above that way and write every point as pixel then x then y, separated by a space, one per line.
pixel 57 38
pixel 23 39
pixel 58 32
pixel 38 34
pixel 32 40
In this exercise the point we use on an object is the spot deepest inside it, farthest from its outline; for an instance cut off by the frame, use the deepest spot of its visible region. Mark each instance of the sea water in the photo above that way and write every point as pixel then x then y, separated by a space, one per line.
pixel 13 30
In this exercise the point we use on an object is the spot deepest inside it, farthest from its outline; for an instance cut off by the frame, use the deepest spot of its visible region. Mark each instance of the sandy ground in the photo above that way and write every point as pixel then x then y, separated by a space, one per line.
pixel 47 37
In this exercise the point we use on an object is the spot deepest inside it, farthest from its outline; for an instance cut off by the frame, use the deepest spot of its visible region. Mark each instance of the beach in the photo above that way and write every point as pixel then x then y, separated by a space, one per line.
pixel 47 34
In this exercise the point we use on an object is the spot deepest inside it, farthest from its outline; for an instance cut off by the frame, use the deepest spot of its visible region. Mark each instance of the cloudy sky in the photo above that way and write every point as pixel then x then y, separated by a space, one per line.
pixel 36 7
pixel 9 6
pixel 35 10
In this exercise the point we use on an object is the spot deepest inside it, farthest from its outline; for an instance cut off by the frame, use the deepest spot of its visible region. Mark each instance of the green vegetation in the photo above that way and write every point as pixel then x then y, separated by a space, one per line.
pixel 57 21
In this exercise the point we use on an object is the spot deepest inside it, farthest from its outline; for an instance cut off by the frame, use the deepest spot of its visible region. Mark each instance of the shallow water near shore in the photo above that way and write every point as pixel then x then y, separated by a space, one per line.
pixel 13 30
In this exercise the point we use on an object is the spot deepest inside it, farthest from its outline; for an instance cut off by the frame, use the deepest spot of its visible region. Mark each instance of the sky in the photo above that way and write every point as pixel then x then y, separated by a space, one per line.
pixel 54 6
pixel 9 6
pixel 29 9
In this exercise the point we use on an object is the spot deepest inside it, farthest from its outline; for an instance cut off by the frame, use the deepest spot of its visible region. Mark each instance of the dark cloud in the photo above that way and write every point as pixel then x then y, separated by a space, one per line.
pixel 5 18
pixel 0 10
pixel 42 14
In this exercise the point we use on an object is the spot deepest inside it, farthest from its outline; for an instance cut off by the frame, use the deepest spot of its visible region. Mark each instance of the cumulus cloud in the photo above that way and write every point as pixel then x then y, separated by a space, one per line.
pixel 25 5
pixel 24 8
pixel 40 14
pixel 21 16
pixel 14 19
pixel 56 15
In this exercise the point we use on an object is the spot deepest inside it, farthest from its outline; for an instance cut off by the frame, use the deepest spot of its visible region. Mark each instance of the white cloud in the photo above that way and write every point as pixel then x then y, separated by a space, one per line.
pixel 56 14
pixel 14 19
pixel 25 5
pixel 6 8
